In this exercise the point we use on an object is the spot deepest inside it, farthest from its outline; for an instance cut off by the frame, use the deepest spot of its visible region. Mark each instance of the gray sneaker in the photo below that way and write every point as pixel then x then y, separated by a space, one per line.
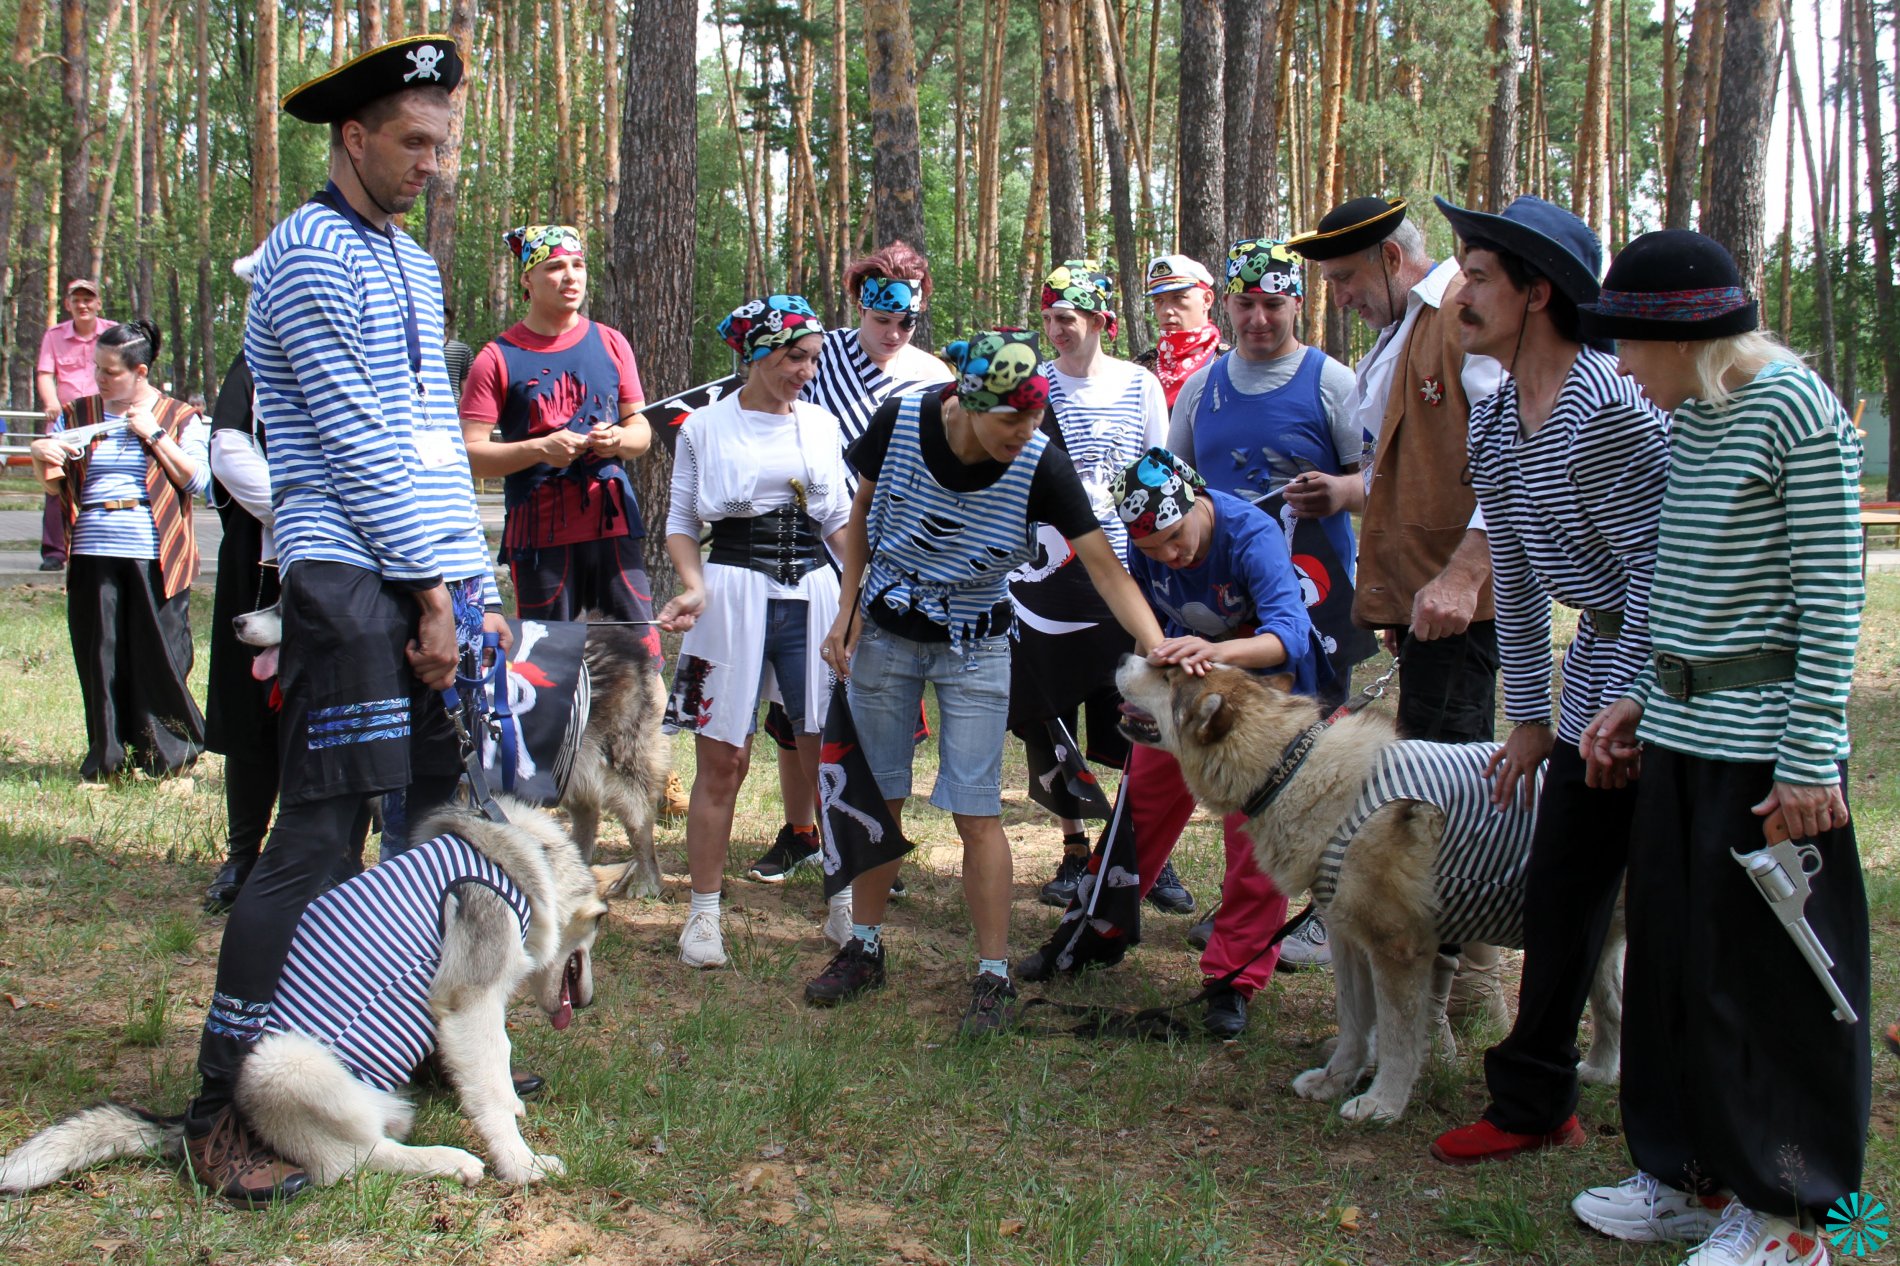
pixel 992 1006
pixel 1306 948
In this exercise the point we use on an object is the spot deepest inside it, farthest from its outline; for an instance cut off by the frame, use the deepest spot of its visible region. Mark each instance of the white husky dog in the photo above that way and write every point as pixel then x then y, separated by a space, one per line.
pixel 522 919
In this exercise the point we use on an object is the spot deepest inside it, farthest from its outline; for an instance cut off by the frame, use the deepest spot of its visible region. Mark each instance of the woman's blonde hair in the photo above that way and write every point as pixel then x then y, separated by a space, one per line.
pixel 1750 353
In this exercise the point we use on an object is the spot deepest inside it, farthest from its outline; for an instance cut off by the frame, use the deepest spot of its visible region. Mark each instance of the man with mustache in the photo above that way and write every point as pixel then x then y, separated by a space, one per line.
pixel 1424 577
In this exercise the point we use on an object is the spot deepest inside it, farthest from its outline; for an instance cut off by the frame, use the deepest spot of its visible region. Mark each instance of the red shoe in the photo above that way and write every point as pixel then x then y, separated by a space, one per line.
pixel 1475 1144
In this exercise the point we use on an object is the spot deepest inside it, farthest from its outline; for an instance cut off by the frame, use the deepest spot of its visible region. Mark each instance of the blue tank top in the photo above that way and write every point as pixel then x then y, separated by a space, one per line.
pixel 1251 445
pixel 575 389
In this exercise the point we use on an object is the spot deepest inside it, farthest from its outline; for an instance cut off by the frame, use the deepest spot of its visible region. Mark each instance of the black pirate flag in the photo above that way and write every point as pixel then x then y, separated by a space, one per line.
pixel 859 832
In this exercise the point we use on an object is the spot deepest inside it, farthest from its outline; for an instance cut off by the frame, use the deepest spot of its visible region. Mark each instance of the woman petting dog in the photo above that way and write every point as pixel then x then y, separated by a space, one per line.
pixel 766 470
pixel 1745 1101
pixel 1568 462
pixel 1217 573
pixel 948 486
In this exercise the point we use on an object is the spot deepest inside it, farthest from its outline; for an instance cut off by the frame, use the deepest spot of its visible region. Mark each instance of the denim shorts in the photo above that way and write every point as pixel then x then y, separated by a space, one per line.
pixel 785 656
pixel 888 672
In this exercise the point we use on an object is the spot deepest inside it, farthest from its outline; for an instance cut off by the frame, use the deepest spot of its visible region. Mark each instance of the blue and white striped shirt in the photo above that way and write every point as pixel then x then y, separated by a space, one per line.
pixel 1107 420
pixel 116 472
pixel 367 462
pixel 366 954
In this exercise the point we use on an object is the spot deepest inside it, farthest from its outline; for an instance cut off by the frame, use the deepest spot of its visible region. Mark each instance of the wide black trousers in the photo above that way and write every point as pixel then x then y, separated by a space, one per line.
pixel 132 647
pixel 1735 1072
pixel 1448 686
pixel 1578 851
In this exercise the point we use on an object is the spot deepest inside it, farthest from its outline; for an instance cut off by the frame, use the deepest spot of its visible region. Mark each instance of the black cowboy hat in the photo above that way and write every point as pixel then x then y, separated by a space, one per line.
pixel 1358 225
pixel 416 61
pixel 1668 286
pixel 1547 237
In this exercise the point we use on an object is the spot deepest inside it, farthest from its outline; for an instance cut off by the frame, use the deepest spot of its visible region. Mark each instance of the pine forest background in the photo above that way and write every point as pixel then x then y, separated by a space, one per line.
pixel 719 151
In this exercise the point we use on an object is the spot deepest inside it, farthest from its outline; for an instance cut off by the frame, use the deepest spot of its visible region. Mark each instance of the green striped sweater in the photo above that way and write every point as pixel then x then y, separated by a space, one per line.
pixel 1760 550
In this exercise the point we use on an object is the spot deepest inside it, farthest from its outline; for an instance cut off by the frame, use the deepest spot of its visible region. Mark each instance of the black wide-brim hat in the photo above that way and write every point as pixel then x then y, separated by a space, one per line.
pixel 415 61
pixel 1358 225
pixel 1671 286
pixel 1547 237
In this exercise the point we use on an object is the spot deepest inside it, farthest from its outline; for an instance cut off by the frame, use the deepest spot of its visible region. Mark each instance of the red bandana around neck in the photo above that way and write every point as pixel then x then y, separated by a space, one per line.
pixel 1180 353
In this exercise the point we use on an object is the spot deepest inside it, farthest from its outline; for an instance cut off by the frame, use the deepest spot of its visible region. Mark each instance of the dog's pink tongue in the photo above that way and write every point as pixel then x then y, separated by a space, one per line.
pixel 264 665
pixel 565 1016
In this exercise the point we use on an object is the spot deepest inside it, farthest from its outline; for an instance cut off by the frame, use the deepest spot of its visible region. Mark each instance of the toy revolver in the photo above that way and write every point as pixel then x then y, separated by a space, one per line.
pixel 78 437
pixel 1782 871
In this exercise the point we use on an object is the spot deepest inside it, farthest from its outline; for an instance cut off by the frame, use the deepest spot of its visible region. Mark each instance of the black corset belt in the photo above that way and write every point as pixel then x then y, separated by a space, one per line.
pixel 781 544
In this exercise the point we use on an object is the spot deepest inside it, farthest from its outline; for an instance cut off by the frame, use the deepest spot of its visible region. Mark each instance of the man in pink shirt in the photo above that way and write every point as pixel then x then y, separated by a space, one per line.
pixel 65 375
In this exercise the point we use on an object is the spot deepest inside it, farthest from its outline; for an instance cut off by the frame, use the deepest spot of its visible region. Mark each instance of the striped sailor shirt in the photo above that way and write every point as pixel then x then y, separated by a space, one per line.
pixel 367 462
pixel 1478 876
pixel 1760 550
pixel 117 472
pixel 850 387
pixel 366 954
pixel 1107 421
pixel 1571 511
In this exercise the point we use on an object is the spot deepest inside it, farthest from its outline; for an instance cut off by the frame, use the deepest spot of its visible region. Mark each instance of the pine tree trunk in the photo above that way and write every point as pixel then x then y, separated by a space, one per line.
pixel 840 157
pixel 32 281
pixel 1501 185
pixel 649 291
pixel 339 44
pixel 1029 267
pixel 1068 239
pixel 959 158
pixel 1738 149
pixel 1850 253
pixel 209 371
pixel 1244 23
pixel 1120 206
pixel 1685 169
pixel 1711 96
pixel 264 122
pixel 148 165
pixel 1879 226
pixel 369 16
pixel 1587 193
pixel 12 143
pixel 897 206
pixel 1202 232
pixel 611 53
pixel 444 192
pixel 75 185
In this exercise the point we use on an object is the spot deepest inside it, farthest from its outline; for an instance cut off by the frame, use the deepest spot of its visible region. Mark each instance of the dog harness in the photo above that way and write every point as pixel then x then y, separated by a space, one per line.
pixel 1478 878
pixel 366 955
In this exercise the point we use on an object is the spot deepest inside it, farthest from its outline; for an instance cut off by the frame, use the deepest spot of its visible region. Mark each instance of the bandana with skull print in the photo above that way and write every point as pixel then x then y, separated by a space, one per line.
pixel 1155 492
pixel 757 329
pixel 999 371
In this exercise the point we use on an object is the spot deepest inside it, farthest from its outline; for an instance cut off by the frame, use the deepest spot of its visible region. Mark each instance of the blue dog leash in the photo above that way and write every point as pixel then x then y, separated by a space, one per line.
pixel 488 704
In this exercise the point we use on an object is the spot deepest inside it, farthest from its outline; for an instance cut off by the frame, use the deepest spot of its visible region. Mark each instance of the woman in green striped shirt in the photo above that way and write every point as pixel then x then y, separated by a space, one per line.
pixel 1745 1100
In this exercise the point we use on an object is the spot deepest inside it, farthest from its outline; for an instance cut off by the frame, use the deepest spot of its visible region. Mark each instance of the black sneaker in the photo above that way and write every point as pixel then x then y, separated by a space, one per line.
pixel 1201 933
pixel 1226 1014
pixel 1060 891
pixel 992 1006
pixel 788 852
pixel 852 970
pixel 1169 895
pixel 898 889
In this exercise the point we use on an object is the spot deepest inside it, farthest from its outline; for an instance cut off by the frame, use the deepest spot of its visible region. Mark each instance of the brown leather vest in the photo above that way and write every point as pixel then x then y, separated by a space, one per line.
pixel 1421 500
pixel 171 508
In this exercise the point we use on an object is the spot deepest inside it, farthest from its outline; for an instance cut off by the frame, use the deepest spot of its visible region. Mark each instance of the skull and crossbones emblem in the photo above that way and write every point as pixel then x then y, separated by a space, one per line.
pixel 426 59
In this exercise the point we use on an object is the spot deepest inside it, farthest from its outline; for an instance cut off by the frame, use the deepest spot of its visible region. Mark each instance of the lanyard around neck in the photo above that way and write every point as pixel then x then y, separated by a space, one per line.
pixel 333 198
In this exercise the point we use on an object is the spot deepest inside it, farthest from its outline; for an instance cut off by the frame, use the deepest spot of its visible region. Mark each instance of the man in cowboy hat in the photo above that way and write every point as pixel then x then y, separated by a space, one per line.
pixel 1569 463
pixel 1424 576
pixel 385 568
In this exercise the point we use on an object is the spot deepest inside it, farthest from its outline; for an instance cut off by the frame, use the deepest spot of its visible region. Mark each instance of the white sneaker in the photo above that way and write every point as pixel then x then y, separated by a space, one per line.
pixel 1307 947
pixel 701 945
pixel 1744 1237
pixel 1645 1211
pixel 838 925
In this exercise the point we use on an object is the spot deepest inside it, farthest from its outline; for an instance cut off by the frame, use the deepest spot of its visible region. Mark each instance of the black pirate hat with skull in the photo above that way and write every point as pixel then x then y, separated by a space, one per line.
pixel 416 61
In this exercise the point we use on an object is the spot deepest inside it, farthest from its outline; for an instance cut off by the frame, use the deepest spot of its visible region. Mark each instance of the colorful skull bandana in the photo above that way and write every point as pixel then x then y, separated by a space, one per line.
pixel 892 294
pixel 757 329
pixel 535 244
pixel 1081 284
pixel 1155 492
pixel 1265 266
pixel 999 371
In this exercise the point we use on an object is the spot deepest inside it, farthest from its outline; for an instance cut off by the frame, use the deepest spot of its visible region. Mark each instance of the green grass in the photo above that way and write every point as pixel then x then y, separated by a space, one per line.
pixel 712 1117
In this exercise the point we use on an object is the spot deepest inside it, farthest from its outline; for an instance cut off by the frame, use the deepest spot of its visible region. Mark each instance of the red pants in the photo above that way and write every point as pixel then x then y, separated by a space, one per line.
pixel 1252 909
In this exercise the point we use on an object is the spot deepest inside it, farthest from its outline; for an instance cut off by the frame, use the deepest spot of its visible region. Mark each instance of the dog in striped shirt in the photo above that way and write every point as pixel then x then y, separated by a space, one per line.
pixel 419 955
pixel 1398 841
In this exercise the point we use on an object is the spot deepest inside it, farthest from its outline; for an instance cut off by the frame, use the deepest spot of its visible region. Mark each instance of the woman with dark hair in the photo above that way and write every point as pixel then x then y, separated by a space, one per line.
pixel 861 367
pixel 765 471
pixel 126 476
pixel 1746 1086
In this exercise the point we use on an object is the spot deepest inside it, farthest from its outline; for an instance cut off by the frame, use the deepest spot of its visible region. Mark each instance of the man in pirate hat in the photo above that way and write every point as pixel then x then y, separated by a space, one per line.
pixel 1424 577
pixel 384 565
pixel 1569 463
